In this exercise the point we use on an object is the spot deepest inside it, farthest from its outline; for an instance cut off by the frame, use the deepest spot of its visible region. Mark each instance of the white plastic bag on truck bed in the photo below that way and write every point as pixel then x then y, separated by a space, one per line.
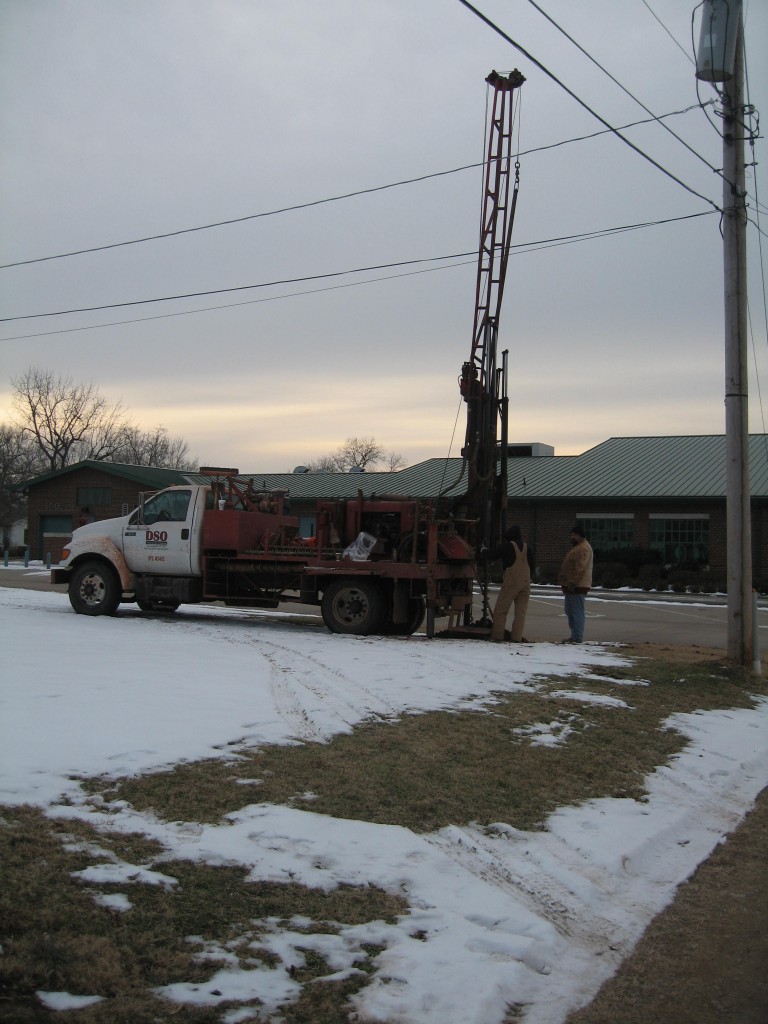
pixel 360 548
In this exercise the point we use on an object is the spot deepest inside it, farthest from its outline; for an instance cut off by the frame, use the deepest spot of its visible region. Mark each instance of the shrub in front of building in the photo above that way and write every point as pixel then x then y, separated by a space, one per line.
pixel 611 575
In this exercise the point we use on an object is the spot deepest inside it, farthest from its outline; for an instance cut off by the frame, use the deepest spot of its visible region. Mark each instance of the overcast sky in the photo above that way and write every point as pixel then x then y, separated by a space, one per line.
pixel 121 121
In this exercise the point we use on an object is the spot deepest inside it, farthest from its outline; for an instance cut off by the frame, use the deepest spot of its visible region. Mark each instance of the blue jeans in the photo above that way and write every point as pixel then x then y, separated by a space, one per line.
pixel 576 612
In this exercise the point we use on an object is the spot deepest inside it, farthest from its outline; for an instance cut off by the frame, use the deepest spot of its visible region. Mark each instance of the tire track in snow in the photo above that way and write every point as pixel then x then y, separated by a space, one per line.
pixel 309 693
pixel 288 705
pixel 318 689
pixel 481 671
pixel 537 877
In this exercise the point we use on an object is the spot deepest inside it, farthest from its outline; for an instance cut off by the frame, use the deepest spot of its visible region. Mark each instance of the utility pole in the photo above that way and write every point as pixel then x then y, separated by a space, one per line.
pixel 721 59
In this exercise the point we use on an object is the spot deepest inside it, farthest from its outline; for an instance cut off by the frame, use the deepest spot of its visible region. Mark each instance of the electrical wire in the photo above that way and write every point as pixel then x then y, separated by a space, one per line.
pixel 521 247
pixel 236 220
pixel 234 288
pixel 678 45
pixel 235 305
pixel 332 199
pixel 624 89
pixel 585 105
pixel 752 136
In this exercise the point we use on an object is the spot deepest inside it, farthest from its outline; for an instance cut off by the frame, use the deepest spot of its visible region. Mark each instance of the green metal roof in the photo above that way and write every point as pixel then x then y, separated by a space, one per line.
pixel 145 476
pixel 692 466
pixel 639 467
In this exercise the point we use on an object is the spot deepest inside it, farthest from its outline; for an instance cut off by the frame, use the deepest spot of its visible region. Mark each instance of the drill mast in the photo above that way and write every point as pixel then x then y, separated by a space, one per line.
pixel 483 381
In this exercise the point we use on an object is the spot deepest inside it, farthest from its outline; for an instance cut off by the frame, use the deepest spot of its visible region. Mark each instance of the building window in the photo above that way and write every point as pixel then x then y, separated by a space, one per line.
pixel 680 539
pixel 89 496
pixel 307 527
pixel 608 533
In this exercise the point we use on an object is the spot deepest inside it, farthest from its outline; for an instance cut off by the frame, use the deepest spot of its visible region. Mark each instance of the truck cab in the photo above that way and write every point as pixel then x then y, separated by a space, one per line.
pixel 111 560
pixel 163 534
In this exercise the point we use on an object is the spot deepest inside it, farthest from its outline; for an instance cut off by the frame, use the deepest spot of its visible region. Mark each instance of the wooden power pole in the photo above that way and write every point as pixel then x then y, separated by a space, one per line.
pixel 719 61
pixel 739 540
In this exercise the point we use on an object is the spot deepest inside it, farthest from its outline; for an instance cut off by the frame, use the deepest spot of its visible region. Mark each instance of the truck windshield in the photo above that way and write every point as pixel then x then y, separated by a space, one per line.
pixel 168 506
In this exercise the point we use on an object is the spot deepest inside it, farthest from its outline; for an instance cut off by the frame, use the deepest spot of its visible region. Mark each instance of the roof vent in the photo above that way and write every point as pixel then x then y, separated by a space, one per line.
pixel 301 469
pixel 529 450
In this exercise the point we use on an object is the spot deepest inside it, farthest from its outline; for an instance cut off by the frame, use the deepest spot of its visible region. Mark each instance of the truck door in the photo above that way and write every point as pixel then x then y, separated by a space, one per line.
pixel 158 536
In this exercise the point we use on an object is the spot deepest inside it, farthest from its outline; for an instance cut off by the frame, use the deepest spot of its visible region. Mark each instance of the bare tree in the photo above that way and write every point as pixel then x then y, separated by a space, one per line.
pixel 153 448
pixel 325 464
pixel 394 462
pixel 357 454
pixel 20 459
pixel 67 421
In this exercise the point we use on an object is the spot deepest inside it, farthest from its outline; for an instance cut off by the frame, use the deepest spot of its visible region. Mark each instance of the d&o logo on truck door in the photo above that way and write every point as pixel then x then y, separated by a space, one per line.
pixel 156 538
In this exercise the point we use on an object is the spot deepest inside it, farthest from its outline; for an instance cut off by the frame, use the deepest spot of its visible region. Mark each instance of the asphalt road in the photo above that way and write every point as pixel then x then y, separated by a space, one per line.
pixel 639 618
pixel 618 617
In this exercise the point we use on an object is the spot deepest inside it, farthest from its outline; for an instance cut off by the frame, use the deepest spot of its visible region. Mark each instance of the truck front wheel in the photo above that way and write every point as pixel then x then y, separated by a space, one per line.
pixel 94 589
pixel 356 608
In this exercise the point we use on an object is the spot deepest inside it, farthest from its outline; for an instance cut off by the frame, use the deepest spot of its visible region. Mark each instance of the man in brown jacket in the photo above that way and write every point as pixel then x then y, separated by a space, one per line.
pixel 576 579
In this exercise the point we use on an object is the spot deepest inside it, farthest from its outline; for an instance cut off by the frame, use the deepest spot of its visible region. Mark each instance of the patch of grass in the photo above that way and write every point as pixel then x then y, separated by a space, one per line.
pixel 430 770
pixel 56 938
pixel 422 771
pixel 320 1001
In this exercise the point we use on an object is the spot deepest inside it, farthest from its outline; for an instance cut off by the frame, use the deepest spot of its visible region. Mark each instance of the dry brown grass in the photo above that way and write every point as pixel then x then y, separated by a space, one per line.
pixel 420 771
pixel 428 771
pixel 56 938
pixel 704 960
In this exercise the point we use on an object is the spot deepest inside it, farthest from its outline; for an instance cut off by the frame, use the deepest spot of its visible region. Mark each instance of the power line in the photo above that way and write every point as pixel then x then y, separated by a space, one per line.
pixel 236 220
pixel 234 305
pixel 624 89
pixel 585 105
pixel 680 47
pixel 521 248
pixel 235 288
pixel 333 199
pixel 752 136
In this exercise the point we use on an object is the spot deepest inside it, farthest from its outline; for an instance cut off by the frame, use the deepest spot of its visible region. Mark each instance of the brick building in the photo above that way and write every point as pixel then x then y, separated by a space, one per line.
pixel 62 500
pixel 662 493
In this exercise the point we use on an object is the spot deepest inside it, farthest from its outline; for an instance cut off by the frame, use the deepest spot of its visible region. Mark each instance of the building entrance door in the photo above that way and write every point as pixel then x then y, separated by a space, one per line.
pixel 53 533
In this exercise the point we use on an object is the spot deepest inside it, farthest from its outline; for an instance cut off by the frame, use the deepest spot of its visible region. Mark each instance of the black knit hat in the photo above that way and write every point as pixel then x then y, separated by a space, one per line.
pixel 577 529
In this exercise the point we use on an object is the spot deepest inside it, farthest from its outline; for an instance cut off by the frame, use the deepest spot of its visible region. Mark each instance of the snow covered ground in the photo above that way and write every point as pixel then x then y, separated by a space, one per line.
pixel 498 916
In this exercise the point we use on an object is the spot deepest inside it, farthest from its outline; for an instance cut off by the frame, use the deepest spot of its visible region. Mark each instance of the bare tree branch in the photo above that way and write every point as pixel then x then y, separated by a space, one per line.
pixel 67 422
pixel 357 453
pixel 153 448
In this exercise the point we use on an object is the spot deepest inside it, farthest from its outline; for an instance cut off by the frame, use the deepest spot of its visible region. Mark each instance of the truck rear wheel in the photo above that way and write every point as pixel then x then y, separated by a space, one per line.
pixel 356 608
pixel 94 589
pixel 417 608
